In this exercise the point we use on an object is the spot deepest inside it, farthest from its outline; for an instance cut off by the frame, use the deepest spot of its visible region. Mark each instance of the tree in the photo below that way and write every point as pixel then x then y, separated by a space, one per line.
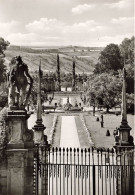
pixel 130 78
pixel 110 59
pixel 92 99
pixel 2 70
pixel 127 50
pixel 58 85
pixel 98 69
pixel 3 46
pixel 130 103
pixel 125 55
pixel 73 79
pixel 105 91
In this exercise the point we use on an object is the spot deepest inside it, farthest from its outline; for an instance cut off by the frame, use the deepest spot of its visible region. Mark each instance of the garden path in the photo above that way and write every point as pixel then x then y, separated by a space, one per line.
pixel 69 134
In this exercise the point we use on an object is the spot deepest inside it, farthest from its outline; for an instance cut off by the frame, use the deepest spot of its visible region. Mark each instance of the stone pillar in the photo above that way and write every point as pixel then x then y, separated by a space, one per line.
pixel 125 179
pixel 20 171
pixel 39 127
pixel 3 174
pixel 43 156
pixel 19 154
pixel 124 145
pixel 18 134
pixel 19 148
pixel 42 145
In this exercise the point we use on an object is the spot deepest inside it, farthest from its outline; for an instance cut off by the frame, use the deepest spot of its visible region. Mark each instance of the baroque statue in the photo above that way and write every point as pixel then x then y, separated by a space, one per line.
pixel 20 84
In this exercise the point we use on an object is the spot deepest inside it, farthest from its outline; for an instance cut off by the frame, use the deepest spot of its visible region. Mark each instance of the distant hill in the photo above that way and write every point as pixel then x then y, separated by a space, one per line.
pixel 85 57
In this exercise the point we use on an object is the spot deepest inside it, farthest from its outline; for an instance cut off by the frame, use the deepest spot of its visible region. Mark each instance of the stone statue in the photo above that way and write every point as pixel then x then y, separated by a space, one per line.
pixel 20 84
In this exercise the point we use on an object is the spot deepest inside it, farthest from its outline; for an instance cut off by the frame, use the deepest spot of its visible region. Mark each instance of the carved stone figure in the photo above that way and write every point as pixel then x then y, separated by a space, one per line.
pixel 20 84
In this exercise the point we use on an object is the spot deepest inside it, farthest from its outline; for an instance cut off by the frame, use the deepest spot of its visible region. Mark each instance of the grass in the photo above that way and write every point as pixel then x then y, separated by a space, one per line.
pixel 98 134
pixel 84 143
pixel 111 121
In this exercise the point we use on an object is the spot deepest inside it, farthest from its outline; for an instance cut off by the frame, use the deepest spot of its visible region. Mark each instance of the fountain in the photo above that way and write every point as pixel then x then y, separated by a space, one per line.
pixel 69 107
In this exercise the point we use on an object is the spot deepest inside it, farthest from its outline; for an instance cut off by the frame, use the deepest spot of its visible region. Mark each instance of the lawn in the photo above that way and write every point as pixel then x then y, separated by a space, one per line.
pixel 98 134
pixel 111 121
pixel 84 142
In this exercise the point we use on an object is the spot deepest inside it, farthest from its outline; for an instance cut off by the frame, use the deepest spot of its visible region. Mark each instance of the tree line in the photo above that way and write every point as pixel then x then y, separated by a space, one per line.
pixel 106 81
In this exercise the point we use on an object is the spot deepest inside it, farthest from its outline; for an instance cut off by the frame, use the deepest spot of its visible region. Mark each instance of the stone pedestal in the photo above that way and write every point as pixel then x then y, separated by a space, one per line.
pixel 19 154
pixel 38 132
pixel 43 178
pixel 125 180
pixel 125 147
pixel 20 171
pixel 124 138
pixel 18 134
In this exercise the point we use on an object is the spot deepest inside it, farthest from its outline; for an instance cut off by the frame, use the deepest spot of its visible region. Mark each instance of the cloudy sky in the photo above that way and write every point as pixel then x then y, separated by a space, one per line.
pixel 66 22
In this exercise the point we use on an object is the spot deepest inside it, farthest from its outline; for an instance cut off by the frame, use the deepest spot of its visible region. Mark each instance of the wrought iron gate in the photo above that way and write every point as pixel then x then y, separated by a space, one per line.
pixel 67 171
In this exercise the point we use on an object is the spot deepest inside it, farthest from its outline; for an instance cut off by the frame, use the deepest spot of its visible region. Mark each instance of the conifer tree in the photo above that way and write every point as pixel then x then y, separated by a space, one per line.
pixel 58 81
pixel 73 78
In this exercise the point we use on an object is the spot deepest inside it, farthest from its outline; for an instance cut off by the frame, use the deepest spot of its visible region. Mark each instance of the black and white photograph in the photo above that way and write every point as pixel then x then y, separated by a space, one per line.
pixel 67 97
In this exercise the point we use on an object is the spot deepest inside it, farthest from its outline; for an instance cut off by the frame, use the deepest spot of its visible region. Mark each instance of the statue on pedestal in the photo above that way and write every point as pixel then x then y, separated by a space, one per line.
pixel 20 84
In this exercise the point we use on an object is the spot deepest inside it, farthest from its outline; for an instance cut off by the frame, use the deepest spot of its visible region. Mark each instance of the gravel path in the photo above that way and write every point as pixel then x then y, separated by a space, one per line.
pixel 69 134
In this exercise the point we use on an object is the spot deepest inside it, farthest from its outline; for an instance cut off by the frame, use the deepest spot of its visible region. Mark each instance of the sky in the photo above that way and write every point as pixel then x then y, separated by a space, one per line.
pixel 66 22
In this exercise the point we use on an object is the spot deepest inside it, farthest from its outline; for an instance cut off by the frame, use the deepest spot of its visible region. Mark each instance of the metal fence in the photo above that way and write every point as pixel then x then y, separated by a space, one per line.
pixel 67 171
